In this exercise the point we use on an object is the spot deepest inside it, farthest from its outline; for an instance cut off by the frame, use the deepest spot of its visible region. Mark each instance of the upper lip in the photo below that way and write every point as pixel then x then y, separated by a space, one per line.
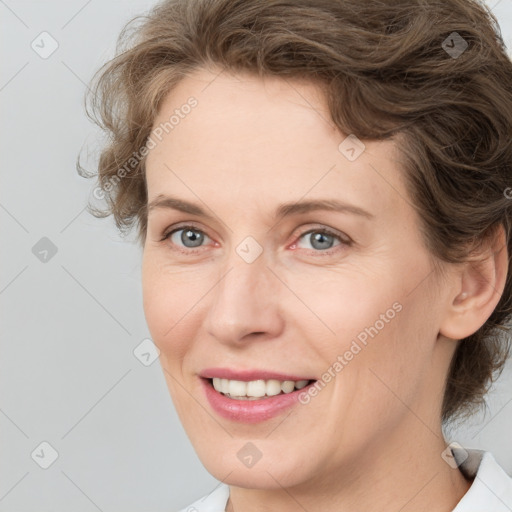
pixel 248 375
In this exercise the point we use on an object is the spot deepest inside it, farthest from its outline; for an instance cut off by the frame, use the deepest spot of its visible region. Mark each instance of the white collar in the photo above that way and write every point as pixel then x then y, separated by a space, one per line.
pixel 491 490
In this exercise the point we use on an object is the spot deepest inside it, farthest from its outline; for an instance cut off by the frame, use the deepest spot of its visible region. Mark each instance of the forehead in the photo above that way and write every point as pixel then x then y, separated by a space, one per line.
pixel 249 137
pixel 239 112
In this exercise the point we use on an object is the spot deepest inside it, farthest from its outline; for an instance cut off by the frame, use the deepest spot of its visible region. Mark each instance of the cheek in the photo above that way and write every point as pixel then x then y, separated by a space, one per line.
pixel 348 309
pixel 389 372
pixel 380 343
pixel 171 301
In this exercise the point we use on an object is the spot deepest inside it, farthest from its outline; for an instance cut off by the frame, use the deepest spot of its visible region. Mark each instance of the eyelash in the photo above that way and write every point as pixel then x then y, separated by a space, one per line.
pixel 326 231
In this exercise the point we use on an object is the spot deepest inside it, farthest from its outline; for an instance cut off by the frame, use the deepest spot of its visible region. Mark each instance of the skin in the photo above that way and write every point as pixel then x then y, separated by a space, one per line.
pixel 371 439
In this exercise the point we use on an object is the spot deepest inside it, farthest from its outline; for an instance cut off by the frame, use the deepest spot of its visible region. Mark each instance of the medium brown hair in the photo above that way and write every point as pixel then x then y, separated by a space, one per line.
pixel 388 68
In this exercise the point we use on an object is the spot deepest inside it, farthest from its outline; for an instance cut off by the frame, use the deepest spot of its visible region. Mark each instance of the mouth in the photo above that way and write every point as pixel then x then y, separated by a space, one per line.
pixel 251 397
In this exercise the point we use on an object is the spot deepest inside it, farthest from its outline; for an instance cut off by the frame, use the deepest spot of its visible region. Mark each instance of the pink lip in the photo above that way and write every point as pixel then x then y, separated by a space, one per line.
pixel 247 375
pixel 249 411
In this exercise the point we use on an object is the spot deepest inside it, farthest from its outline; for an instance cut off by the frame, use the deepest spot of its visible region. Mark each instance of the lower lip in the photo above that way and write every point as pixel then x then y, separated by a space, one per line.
pixel 250 411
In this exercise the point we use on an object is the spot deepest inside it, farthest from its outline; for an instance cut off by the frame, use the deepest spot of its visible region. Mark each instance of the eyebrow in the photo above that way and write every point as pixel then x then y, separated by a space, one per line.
pixel 283 210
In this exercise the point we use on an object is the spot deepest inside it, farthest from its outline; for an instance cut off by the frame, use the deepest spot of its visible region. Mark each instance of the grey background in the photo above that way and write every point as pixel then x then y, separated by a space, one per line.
pixel 70 324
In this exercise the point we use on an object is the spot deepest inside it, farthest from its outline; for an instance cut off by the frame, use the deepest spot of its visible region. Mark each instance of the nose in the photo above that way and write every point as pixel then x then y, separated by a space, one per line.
pixel 245 304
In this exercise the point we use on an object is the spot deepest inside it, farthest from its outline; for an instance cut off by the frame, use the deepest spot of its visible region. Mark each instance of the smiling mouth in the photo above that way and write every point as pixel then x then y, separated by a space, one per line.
pixel 256 389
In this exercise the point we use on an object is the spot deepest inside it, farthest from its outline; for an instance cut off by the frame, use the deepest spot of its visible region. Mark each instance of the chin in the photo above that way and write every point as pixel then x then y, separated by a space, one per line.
pixel 231 463
pixel 272 478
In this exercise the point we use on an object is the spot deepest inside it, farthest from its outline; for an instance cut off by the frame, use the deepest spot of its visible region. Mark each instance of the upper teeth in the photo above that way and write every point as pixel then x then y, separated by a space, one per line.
pixel 256 388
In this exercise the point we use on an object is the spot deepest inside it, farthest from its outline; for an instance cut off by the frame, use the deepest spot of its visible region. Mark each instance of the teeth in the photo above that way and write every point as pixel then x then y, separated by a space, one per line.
pixel 288 386
pixel 273 387
pixel 256 388
pixel 237 388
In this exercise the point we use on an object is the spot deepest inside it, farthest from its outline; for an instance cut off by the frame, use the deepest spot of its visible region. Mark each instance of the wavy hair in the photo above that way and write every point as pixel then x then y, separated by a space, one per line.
pixel 434 74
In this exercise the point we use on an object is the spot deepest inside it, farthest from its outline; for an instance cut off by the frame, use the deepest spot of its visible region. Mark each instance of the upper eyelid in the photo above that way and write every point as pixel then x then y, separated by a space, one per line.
pixel 325 229
pixel 175 228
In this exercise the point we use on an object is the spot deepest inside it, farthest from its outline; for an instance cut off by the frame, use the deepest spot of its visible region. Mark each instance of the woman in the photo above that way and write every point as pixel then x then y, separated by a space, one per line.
pixel 320 189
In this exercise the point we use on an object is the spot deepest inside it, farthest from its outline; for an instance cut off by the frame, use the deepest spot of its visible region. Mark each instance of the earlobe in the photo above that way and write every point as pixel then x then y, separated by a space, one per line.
pixel 479 288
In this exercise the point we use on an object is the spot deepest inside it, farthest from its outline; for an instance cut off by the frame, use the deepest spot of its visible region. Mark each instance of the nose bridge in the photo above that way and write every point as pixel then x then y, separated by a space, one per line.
pixel 244 301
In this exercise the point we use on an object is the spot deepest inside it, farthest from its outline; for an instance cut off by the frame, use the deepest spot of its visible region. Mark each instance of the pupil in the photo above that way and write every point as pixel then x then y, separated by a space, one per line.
pixel 191 238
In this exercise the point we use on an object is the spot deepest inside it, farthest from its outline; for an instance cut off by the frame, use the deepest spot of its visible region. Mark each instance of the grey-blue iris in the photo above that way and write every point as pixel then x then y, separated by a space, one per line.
pixel 323 240
pixel 195 238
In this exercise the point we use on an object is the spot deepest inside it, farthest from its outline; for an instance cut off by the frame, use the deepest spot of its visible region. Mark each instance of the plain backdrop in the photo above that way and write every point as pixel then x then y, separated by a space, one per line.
pixel 70 294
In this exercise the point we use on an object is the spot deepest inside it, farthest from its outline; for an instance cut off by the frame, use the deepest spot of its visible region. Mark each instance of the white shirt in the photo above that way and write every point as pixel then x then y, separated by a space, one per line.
pixel 491 490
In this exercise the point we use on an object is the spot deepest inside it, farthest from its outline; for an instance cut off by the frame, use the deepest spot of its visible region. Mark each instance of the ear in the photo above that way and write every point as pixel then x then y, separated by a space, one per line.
pixel 478 289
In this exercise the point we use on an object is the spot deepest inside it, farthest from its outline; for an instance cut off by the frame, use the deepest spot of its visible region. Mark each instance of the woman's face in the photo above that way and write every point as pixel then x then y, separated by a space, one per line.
pixel 278 250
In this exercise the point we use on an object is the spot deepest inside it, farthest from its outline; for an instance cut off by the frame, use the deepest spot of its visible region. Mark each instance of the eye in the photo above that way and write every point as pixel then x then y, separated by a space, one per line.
pixel 187 236
pixel 320 240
